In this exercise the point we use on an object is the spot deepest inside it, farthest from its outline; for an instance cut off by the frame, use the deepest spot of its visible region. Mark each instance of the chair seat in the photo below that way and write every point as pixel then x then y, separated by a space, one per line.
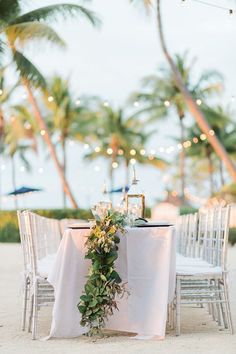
pixel 195 270
pixel 187 261
pixel 45 265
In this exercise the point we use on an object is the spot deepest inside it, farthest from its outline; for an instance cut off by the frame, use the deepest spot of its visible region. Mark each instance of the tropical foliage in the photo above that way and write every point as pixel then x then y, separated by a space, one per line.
pixel 162 97
pixel 17 29
pixel 121 138
pixel 104 283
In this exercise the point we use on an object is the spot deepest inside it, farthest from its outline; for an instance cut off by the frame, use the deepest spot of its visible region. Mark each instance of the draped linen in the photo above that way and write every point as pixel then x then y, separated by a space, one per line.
pixel 146 263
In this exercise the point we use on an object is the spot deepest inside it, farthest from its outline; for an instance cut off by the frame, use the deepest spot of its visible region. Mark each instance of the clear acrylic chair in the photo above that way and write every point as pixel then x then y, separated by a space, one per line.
pixel 204 281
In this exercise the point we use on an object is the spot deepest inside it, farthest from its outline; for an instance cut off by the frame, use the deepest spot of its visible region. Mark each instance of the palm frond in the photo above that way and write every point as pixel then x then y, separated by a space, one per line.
pixel 8 10
pixel 28 71
pixel 27 31
pixel 51 12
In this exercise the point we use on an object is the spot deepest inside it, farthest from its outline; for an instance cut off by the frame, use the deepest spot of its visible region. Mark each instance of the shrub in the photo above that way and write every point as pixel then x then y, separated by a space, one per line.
pixel 232 236
pixel 187 210
pixel 9 225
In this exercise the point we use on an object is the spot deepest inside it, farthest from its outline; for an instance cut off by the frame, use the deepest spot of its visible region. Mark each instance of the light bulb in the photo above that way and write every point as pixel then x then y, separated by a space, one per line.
pixel 50 99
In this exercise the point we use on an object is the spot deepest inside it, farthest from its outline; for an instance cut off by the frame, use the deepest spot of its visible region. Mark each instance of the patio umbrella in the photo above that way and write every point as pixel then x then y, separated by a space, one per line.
pixel 24 190
pixel 120 190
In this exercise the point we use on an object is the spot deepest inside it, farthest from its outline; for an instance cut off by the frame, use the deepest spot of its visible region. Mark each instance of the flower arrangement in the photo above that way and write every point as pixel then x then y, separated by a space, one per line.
pixel 104 283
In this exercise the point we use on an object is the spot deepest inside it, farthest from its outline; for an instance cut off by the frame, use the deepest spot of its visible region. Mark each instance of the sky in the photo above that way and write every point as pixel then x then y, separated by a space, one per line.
pixel 110 62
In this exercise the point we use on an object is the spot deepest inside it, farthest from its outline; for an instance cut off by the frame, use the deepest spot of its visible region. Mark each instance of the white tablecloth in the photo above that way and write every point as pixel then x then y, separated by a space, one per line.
pixel 146 262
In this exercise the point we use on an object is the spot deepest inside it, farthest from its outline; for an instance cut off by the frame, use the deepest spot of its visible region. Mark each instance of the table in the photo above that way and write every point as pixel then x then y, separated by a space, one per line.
pixel 146 262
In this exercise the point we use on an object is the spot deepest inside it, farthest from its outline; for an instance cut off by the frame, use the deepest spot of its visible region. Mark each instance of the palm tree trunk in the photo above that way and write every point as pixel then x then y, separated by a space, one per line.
pixel 13 178
pixel 193 108
pixel 182 161
pixel 210 171
pixel 64 168
pixel 127 173
pixel 221 170
pixel 1 148
pixel 111 175
pixel 47 139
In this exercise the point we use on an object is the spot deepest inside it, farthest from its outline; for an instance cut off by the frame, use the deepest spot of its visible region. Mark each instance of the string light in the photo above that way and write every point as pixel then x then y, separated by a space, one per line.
pixel 120 152
pixel 106 104
pixel 115 164
pixel 142 152
pixel 230 11
pixel 132 152
pixel 1 92
pixel 109 151
pixel 133 161
pixel 77 102
pixel 50 99
pixel 198 102
pixel 42 132
pixel 97 149
pixel 203 137
pixel 167 103
pixel 179 146
pixel 151 155
pixel 136 104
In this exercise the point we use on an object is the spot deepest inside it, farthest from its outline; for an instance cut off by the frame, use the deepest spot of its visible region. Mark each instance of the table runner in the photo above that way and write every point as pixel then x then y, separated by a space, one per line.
pixel 146 262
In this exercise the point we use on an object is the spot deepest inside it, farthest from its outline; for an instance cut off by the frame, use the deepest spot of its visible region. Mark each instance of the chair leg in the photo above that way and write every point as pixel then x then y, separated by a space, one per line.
pixel 177 304
pixel 25 301
pixel 31 313
pixel 218 308
pixel 222 306
pixel 35 311
pixel 173 315
pixel 227 305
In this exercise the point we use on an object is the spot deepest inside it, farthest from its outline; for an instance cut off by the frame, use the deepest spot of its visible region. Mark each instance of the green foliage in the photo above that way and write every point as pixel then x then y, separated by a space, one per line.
pixel 104 284
pixel 51 12
pixel 9 227
pixel 187 210
pixel 28 71
pixel 23 32
pixel 232 236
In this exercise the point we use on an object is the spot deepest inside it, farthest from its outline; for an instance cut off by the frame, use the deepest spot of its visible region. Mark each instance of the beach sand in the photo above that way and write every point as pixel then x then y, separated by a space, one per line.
pixel 199 334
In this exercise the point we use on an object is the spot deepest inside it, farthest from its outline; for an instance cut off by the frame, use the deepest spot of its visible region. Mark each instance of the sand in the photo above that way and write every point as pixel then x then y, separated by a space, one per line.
pixel 199 333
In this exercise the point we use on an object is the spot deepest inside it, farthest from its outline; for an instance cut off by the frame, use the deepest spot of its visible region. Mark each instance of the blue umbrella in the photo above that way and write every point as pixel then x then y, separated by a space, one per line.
pixel 120 190
pixel 24 190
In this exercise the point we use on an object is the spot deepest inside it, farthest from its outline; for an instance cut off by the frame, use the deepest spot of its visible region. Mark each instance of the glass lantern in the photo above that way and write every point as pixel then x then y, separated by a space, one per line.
pixel 135 200
pixel 105 203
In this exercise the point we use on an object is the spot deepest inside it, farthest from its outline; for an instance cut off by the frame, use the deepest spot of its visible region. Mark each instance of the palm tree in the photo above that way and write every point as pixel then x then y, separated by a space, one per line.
pixel 5 94
pixel 190 102
pixel 19 137
pixel 163 94
pixel 16 30
pixel 220 121
pixel 66 116
pixel 120 139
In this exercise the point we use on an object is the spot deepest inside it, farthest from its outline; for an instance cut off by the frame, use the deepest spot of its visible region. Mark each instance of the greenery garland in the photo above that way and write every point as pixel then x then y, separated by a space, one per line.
pixel 104 283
